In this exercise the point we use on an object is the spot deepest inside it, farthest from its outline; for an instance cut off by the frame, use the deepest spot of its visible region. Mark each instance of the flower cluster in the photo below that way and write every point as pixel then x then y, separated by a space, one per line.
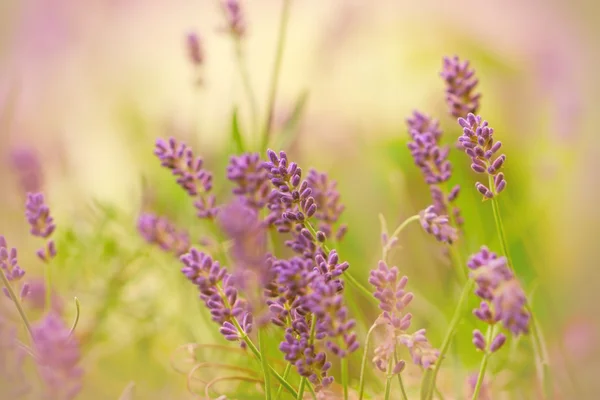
pixel 433 161
pixel 8 262
pixel 57 356
pixel 329 208
pixel 191 176
pixel 251 179
pixel 393 299
pixel 194 48
pixel 478 142
pixel 460 86
pixel 438 226
pixel 42 224
pixel 503 298
pixel 163 233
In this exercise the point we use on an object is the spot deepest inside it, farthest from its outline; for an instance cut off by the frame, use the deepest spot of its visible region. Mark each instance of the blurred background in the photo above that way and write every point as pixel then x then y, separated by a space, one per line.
pixel 87 87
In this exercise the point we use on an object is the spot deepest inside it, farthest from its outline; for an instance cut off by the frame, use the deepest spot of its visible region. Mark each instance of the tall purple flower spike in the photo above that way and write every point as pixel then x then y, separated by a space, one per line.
pixel 251 178
pixel 478 142
pixel 437 225
pixel 503 298
pixel 191 176
pixel 58 357
pixel 432 160
pixel 460 87
pixel 195 49
pixel 234 15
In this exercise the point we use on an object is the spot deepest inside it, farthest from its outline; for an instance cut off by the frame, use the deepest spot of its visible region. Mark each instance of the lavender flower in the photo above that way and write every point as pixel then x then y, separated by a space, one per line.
pixel 194 49
pixel 432 159
pixel 8 262
pixel 393 299
pixel 195 180
pixel 437 225
pixel 327 199
pixel 251 178
pixel 28 168
pixel 42 224
pixel 161 232
pixel 236 24
pixel 460 85
pixel 504 299
pixel 478 142
pixel 218 293
pixel 58 356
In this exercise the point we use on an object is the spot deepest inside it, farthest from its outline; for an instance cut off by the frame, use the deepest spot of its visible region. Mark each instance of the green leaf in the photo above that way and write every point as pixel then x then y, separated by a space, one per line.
pixel 129 392
pixel 236 135
pixel 290 128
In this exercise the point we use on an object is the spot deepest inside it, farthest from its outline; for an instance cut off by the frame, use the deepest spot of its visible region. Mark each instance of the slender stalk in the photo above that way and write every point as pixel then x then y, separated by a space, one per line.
pixel 361 384
pixel 459 312
pixel 388 382
pixel 311 389
pixel 399 229
pixel 15 299
pixel 265 364
pixel 538 344
pixel 484 363
pixel 281 35
pixel 286 373
pixel 301 388
pixel 344 366
pixel 402 390
pixel 249 91
pixel 77 311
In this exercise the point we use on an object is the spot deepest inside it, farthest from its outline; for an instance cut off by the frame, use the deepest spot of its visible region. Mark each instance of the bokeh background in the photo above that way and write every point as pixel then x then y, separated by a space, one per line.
pixel 86 87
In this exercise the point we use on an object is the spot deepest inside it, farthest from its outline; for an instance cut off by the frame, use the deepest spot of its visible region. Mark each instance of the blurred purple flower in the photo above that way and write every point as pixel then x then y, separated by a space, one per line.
pixel 195 49
pixel 471 382
pixel 327 199
pixel 251 178
pixel 478 142
pixel 195 180
pixel 234 16
pixel 28 168
pixel 42 224
pixel 160 231
pixel 58 356
pixel 460 86
pixel 13 383
pixel 504 299
pixel 393 299
pixel 438 225
pixel 8 261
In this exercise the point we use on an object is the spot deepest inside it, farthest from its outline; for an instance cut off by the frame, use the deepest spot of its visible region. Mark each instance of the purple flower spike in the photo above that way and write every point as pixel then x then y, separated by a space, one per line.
pixel 460 86
pixel 217 291
pixel 38 216
pixel 478 142
pixel 161 232
pixel 438 225
pixel 8 262
pixel 58 356
pixel 327 202
pixel 236 24
pixel 28 168
pixel 194 48
pixel 191 175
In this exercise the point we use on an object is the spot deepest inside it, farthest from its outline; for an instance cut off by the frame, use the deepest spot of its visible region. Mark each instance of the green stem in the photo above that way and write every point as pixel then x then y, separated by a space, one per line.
pixel 258 356
pixel 301 388
pixel 539 346
pixel 361 384
pixel 48 293
pixel 402 390
pixel 15 299
pixel 265 364
pixel 359 286
pixel 286 373
pixel 251 97
pixel 77 311
pixel 484 363
pixel 281 35
pixel 344 362
pixel 312 391
pixel 459 312
pixel 388 382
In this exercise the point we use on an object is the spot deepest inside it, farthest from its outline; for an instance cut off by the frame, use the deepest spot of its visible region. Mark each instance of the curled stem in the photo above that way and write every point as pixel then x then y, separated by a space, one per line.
pixel 15 299
pixel 399 229
pixel 361 384
pixel 77 311
pixel 227 378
